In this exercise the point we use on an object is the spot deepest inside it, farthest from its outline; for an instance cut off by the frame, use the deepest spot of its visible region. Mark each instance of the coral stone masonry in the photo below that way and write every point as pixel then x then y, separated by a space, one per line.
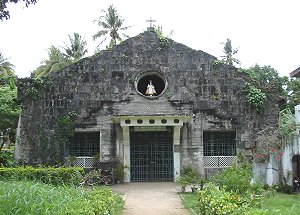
pixel 155 106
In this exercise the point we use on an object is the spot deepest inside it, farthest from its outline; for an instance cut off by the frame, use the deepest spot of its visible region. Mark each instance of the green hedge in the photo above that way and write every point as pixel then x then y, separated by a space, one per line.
pixel 49 175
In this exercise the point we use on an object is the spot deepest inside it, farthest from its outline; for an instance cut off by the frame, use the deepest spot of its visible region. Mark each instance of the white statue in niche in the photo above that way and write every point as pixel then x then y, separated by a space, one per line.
pixel 150 89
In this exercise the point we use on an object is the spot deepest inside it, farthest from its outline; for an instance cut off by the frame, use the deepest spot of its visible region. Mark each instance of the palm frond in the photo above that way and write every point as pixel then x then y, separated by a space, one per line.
pixel 99 34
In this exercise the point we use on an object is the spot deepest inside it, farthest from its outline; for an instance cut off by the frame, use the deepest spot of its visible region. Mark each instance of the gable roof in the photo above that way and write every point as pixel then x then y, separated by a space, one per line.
pixel 295 73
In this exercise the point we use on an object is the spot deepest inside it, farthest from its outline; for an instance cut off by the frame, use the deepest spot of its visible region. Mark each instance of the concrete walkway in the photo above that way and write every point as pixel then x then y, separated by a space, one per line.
pixel 157 198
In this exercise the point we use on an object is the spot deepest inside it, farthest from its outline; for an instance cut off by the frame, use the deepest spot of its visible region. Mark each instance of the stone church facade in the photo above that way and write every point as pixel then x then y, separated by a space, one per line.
pixel 156 105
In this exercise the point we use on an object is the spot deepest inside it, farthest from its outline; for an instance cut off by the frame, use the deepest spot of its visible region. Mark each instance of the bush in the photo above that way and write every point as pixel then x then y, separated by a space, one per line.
pixel 49 175
pixel 284 188
pixel 36 198
pixel 213 200
pixel 188 176
pixel 6 158
pixel 235 178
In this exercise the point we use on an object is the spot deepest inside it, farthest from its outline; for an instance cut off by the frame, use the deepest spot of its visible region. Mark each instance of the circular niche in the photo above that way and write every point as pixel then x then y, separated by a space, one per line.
pixel 156 81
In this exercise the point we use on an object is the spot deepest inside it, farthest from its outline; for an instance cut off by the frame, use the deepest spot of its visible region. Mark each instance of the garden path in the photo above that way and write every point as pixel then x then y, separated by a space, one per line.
pixel 157 198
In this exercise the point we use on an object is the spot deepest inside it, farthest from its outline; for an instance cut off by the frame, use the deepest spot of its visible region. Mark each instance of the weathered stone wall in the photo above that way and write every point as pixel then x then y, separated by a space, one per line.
pixel 102 86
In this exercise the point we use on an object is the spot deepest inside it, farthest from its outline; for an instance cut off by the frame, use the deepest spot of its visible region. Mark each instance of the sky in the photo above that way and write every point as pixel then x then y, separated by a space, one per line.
pixel 266 32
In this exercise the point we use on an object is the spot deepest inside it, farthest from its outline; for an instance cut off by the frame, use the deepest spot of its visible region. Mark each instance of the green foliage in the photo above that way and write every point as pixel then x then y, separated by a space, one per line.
pixel 9 107
pixel 119 171
pixel 217 64
pixel 56 60
pixel 284 188
pixel 94 176
pixel 228 58
pixel 213 200
pixel 188 176
pixel 287 122
pixel 163 40
pixel 6 68
pixel 4 13
pixel 183 181
pixel 50 175
pixel 34 87
pixel 276 204
pixel 77 48
pixel 235 178
pixel 111 24
pixel 255 96
pixel 282 204
pixel 36 198
pixel 66 124
pixel 267 77
pixel 6 158
pixel 293 93
pixel 64 129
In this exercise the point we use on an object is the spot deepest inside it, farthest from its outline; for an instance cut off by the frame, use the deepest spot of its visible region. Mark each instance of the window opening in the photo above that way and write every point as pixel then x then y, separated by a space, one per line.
pixel 219 143
pixel 156 82
pixel 84 144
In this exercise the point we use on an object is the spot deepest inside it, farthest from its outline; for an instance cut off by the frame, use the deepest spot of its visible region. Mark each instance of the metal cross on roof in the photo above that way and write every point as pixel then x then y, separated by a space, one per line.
pixel 150 20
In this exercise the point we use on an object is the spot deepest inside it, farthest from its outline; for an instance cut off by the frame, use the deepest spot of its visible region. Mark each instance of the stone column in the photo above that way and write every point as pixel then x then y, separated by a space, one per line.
pixel 126 150
pixel 297 117
pixel 176 149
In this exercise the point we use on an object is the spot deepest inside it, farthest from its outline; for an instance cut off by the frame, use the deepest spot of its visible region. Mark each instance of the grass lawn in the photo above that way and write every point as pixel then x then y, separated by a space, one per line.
pixel 283 204
pixel 25 197
pixel 279 204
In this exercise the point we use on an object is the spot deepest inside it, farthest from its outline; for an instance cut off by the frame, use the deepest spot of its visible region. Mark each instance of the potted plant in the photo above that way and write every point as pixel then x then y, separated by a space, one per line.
pixel 183 181
pixel 119 172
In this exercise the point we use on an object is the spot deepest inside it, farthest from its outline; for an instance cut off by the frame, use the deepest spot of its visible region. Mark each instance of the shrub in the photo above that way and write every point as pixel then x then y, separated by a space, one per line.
pixel 119 172
pixel 49 175
pixel 6 158
pixel 235 178
pixel 188 176
pixel 255 96
pixel 213 200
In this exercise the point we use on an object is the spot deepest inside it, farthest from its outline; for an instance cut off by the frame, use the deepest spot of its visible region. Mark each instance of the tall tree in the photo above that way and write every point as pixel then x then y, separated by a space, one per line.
pixel 6 68
pixel 293 93
pixel 112 24
pixel 4 13
pixel 9 108
pixel 77 48
pixel 56 61
pixel 267 77
pixel 229 52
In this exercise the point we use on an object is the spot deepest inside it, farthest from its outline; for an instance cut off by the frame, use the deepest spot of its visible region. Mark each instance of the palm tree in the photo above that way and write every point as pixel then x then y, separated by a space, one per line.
pixel 111 23
pixel 77 48
pixel 6 68
pixel 56 61
pixel 227 50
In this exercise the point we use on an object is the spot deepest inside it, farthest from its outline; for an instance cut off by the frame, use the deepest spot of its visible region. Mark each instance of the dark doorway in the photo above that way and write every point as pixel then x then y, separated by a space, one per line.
pixel 296 166
pixel 151 156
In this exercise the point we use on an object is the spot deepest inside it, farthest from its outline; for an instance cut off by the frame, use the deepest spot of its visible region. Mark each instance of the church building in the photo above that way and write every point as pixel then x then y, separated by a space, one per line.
pixel 153 104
